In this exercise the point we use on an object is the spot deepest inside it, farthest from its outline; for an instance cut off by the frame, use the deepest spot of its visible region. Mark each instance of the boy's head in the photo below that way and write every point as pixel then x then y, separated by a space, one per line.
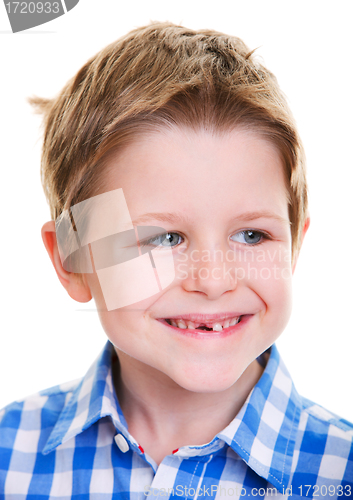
pixel 153 78
pixel 189 127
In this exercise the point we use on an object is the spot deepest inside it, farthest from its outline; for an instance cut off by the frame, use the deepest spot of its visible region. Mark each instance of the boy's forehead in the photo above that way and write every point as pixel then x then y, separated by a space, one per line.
pixel 180 169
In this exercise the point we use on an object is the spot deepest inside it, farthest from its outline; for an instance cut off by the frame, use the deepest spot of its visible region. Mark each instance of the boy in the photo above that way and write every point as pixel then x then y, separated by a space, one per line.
pixel 176 180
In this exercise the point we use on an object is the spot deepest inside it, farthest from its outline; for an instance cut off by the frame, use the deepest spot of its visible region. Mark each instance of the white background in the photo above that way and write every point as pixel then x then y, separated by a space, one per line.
pixel 46 337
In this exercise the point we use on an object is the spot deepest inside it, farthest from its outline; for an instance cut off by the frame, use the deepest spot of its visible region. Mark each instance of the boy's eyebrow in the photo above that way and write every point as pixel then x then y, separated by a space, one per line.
pixel 160 216
pixel 176 217
pixel 260 214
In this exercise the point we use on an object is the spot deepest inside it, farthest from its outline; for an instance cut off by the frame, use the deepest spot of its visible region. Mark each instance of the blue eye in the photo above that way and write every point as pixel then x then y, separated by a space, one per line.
pixel 249 237
pixel 164 240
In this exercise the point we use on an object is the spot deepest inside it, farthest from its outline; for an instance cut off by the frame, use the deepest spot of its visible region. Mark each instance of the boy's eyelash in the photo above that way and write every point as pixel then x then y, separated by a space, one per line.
pixel 148 242
pixel 264 236
pixel 263 233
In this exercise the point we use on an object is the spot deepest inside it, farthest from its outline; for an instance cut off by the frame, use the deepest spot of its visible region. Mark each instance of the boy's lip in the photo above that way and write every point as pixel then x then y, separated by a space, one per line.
pixel 204 318
pixel 195 333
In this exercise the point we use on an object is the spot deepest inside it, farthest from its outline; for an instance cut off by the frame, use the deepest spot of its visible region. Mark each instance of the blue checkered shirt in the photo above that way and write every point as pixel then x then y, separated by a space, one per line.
pixel 72 442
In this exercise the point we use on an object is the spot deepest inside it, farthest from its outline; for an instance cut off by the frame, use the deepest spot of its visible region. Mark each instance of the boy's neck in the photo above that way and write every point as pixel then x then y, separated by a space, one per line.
pixel 162 416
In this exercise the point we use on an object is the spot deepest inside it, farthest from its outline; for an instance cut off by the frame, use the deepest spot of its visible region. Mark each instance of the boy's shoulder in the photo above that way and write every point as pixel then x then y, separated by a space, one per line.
pixel 25 419
pixel 42 420
pixel 322 432
pixel 325 419
pixel 52 399
pixel 323 451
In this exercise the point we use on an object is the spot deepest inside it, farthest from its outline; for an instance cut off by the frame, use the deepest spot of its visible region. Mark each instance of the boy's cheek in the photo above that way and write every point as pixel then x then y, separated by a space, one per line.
pixel 279 299
pixel 271 281
pixel 131 280
pixel 276 272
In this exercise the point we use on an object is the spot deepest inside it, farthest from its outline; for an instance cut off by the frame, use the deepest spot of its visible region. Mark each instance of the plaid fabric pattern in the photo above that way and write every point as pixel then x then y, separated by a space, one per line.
pixel 72 442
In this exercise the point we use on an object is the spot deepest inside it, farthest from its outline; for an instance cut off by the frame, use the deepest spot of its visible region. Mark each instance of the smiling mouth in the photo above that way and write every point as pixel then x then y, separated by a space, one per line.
pixel 216 326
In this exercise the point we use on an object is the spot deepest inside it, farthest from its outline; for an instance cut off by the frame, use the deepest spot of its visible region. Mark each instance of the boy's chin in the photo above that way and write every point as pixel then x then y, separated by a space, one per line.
pixel 216 379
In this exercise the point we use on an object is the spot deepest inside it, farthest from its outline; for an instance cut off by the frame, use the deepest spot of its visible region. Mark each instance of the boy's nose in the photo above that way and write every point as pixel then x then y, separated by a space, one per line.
pixel 212 276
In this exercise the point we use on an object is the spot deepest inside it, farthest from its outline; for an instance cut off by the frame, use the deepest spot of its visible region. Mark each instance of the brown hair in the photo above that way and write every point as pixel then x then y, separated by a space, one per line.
pixel 158 76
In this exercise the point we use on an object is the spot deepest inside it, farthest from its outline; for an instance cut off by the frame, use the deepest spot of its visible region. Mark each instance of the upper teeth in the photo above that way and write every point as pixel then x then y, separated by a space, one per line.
pixel 217 327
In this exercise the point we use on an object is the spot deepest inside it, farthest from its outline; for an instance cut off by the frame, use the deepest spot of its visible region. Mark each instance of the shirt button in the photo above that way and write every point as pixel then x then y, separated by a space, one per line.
pixel 122 443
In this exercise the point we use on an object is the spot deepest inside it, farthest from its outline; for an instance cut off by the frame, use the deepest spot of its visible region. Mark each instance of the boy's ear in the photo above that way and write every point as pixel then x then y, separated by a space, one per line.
pixel 75 284
pixel 305 228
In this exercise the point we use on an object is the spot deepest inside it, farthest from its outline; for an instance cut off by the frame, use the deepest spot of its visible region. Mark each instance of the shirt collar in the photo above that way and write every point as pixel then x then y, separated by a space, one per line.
pixel 92 399
pixel 263 433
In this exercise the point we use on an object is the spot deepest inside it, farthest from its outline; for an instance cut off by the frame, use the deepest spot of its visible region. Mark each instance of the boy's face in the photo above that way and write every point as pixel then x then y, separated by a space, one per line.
pixel 229 229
